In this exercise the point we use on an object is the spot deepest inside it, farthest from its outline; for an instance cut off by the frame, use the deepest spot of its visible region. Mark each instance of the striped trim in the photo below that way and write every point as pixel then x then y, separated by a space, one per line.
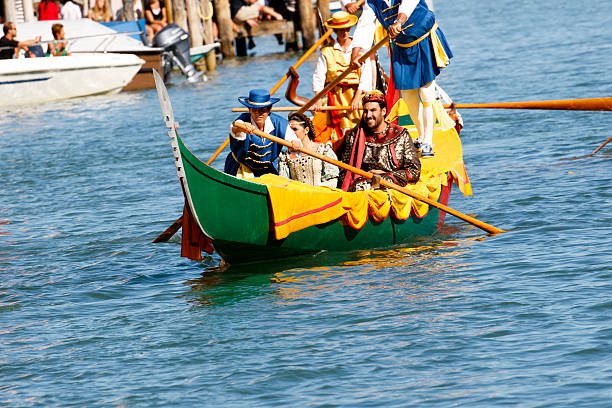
pixel 293 217
pixel 21 81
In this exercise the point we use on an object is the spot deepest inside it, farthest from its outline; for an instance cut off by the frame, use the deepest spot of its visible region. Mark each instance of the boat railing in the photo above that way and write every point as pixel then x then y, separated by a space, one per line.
pixel 108 38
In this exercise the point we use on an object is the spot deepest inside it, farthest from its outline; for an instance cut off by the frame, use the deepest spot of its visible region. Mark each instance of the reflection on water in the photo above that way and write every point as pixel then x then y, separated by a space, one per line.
pixel 331 273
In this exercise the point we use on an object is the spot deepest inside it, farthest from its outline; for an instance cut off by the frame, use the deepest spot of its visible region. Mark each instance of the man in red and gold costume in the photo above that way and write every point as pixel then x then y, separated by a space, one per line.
pixel 383 149
pixel 333 61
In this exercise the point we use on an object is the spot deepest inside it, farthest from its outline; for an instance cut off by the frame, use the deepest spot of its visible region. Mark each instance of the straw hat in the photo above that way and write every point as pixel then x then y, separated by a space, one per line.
pixel 341 19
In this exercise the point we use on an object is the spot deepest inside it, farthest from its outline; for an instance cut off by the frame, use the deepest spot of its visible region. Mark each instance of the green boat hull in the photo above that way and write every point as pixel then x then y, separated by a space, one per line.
pixel 235 214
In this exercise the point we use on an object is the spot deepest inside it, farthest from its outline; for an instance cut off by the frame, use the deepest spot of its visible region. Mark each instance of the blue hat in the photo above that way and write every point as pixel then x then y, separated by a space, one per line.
pixel 258 98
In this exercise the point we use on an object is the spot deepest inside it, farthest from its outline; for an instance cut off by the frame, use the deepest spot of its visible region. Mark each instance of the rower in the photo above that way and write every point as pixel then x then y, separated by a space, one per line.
pixel 252 156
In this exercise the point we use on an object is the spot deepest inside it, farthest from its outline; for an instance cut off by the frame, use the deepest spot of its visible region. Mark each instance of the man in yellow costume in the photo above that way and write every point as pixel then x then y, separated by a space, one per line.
pixel 333 61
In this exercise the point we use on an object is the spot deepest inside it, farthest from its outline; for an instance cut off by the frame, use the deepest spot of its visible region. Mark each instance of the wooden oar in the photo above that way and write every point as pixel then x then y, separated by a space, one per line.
pixel 295 108
pixel 486 227
pixel 592 104
pixel 170 231
pixel 347 71
pixel 599 148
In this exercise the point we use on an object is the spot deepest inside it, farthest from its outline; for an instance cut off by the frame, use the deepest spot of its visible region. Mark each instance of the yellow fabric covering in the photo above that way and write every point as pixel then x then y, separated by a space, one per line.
pixel 296 205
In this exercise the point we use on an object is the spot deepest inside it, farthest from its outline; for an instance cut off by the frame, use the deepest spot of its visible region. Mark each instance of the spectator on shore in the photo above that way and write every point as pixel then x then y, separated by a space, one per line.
pixel 9 45
pixel 155 16
pixel 70 11
pixel 57 48
pixel 48 10
pixel 249 11
pixel 101 12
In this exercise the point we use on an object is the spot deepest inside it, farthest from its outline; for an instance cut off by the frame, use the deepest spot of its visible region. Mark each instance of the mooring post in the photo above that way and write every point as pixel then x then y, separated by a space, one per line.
pixel 209 38
pixel 324 9
pixel 307 23
pixel 169 11
pixel 178 11
pixel 195 24
pixel 224 21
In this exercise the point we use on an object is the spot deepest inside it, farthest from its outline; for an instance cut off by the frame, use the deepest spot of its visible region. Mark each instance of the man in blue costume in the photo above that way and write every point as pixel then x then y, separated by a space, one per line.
pixel 251 155
pixel 420 51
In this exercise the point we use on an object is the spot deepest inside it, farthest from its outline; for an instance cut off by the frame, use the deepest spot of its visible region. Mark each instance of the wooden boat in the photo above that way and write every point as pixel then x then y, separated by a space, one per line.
pixel 233 215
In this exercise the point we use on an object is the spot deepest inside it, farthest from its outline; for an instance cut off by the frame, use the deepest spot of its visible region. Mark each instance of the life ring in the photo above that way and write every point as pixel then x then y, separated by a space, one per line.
pixel 210 12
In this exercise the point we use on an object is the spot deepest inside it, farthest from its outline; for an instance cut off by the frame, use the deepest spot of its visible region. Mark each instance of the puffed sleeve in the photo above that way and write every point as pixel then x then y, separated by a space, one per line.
pixel 329 172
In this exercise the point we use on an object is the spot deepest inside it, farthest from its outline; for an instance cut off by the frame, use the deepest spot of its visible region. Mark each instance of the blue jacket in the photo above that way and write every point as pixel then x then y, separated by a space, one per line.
pixel 257 153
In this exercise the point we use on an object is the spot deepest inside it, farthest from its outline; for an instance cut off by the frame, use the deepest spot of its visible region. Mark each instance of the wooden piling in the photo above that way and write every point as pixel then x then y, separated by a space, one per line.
pixel 180 16
pixel 169 11
pixel 207 10
pixel 224 21
pixel 324 9
pixel 307 23
pixel 195 24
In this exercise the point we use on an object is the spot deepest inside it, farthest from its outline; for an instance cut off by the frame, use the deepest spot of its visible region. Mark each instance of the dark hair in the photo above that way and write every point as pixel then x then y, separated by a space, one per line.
pixel 7 27
pixel 305 122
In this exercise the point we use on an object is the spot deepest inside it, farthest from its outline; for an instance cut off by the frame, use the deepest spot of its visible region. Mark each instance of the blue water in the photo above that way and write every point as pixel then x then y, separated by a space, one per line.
pixel 93 314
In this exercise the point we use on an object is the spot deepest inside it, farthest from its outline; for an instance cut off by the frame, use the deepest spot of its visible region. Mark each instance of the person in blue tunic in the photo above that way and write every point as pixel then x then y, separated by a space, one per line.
pixel 420 51
pixel 252 155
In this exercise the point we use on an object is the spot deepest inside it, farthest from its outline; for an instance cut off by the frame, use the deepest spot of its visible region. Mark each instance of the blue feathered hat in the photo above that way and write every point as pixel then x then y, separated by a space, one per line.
pixel 258 98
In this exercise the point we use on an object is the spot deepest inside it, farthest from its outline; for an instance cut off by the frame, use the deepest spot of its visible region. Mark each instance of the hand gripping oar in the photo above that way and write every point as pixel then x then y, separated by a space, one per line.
pixel 486 227
pixel 278 84
pixel 347 71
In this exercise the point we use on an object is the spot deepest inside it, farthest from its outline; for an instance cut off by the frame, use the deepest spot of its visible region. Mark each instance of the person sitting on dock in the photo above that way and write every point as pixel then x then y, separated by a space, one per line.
pixel 252 155
pixel 384 149
pixel 58 47
pixel 249 11
pixel 333 61
pixel 9 45
pixel 101 12
pixel 302 167
pixel 155 16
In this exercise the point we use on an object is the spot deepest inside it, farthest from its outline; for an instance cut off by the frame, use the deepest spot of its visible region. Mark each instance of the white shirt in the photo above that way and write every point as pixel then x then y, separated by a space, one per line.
pixel 71 11
pixel 364 32
pixel 290 135
pixel 320 74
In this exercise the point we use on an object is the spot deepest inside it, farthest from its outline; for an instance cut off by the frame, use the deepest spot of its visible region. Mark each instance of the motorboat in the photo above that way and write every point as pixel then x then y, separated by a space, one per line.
pixel 35 80
pixel 171 45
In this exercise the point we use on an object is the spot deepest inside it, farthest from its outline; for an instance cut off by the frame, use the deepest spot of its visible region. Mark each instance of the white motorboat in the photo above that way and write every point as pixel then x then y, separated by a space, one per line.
pixel 35 80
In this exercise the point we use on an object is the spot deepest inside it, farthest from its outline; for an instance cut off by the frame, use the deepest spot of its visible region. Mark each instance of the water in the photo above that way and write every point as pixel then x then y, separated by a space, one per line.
pixel 93 314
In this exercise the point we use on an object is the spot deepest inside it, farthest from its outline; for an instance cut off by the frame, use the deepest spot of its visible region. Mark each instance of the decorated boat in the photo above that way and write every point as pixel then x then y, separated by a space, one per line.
pixel 273 217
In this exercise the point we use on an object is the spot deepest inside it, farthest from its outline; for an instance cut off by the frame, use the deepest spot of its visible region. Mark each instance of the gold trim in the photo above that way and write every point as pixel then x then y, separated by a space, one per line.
pixel 418 40
pixel 389 8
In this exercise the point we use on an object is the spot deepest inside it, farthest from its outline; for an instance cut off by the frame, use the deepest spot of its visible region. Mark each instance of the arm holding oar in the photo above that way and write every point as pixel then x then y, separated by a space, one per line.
pixel 340 77
pixel 486 227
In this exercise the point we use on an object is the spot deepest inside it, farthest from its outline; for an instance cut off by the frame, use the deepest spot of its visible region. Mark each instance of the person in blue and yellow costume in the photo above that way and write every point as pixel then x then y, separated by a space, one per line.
pixel 333 61
pixel 252 155
pixel 420 51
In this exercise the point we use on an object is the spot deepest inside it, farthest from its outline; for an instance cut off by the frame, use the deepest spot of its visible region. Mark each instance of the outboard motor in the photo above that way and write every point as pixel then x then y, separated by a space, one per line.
pixel 175 42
